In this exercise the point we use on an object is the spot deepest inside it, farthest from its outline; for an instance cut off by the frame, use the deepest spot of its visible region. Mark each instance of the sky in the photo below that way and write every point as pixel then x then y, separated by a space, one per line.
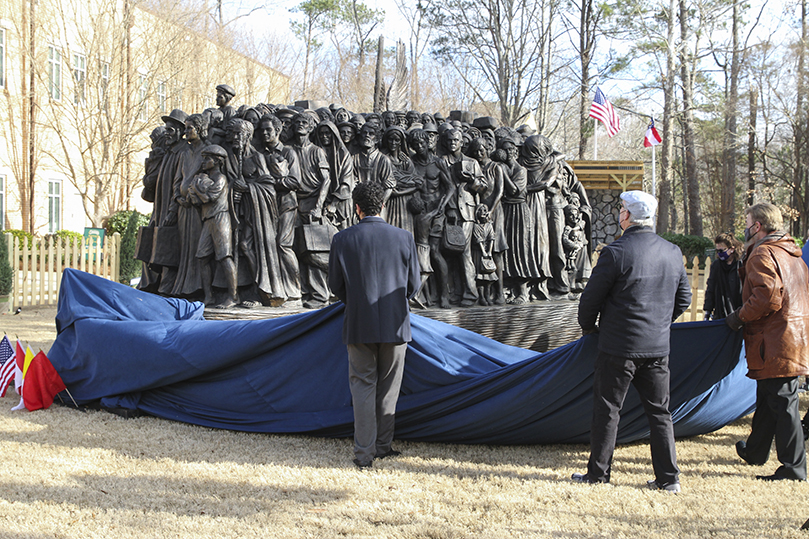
pixel 279 10
pixel 276 16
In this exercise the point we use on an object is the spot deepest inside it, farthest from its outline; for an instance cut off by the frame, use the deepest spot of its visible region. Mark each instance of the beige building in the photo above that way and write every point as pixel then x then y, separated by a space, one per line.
pixel 83 83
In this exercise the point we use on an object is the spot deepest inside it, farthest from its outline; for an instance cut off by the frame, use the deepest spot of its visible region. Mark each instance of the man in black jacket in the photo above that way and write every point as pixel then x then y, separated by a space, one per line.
pixel 374 270
pixel 639 287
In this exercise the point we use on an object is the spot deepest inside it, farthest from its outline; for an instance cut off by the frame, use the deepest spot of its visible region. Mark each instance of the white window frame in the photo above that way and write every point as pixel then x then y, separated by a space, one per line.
pixel 2 63
pixel 2 201
pixel 54 73
pixel 79 79
pixel 54 205
pixel 177 98
pixel 143 94
pixel 161 97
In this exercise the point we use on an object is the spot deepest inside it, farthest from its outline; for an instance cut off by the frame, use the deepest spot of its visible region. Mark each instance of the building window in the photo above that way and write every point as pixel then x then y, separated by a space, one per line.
pixel 2 202
pixel 161 96
pixel 54 73
pixel 104 71
pixel 142 94
pixel 178 98
pixel 54 205
pixel 2 63
pixel 79 78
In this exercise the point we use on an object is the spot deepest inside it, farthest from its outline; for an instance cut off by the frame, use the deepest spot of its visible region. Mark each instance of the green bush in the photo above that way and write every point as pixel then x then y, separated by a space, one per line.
pixel 691 246
pixel 130 267
pixel 20 235
pixel 119 221
pixel 66 237
pixel 6 273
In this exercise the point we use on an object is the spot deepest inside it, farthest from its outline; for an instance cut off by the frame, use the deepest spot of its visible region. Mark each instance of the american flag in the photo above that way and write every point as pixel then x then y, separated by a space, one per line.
pixel 7 364
pixel 602 110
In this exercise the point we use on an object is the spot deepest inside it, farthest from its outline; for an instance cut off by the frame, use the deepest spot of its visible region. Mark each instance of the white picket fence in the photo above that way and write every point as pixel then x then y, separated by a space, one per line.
pixel 698 279
pixel 38 268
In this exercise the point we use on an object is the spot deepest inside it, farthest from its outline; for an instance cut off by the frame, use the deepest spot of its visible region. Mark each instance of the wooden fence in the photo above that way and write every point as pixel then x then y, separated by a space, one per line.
pixel 38 268
pixel 698 279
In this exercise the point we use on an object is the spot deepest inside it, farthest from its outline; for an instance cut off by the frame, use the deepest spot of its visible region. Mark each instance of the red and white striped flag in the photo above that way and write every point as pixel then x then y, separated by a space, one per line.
pixel 653 138
pixel 602 110
pixel 7 364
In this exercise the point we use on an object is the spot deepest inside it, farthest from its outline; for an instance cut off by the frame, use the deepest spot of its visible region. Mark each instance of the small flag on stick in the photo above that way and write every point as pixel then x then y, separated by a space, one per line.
pixel 42 383
pixel 653 138
pixel 602 110
pixel 8 364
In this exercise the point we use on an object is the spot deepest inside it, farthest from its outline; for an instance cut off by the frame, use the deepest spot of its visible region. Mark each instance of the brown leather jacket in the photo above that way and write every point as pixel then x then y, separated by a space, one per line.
pixel 775 308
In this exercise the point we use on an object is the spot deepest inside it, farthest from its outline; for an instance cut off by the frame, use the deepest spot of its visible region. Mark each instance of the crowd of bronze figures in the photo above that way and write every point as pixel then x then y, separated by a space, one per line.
pixel 247 199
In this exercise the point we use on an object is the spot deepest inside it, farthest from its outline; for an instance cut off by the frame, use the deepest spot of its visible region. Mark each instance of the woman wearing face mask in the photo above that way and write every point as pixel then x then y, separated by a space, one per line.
pixel 723 292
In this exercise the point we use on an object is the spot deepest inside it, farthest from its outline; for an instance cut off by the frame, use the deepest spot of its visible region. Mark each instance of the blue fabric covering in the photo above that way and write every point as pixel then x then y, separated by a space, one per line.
pixel 290 375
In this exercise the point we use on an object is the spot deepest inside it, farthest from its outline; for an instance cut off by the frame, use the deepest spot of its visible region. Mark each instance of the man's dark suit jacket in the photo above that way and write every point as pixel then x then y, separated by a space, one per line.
pixel 374 270
pixel 639 287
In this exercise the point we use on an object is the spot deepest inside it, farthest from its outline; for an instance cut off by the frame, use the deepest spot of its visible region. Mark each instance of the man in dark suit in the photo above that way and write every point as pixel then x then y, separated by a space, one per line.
pixel 374 270
pixel 639 287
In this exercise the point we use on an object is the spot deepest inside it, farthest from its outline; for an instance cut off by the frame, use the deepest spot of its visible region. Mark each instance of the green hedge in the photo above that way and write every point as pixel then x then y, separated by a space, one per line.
pixel 20 235
pixel 130 267
pixel 67 237
pixel 118 222
pixel 6 273
pixel 691 246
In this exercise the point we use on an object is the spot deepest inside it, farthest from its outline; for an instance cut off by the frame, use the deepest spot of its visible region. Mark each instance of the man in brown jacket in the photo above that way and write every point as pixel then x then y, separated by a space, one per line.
pixel 775 317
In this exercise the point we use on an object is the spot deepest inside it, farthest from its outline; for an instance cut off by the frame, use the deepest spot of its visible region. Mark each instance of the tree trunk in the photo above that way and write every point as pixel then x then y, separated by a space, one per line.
pixel 586 41
pixel 751 146
pixel 30 225
pixel 799 126
pixel 728 194
pixel 306 56
pixel 667 157
pixel 379 86
pixel 691 192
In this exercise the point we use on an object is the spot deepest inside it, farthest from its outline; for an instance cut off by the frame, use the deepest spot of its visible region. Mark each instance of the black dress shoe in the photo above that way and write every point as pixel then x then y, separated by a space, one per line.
pixel 363 465
pixel 391 453
pixel 741 450
pixel 586 479
pixel 775 477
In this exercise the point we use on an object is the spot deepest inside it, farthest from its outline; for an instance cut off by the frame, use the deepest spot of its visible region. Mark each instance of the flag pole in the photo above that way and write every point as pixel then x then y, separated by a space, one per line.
pixel 71 398
pixel 654 174
pixel 595 139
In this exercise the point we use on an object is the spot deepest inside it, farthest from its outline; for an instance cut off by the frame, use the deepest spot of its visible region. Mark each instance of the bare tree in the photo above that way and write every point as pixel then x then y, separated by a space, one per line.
pixel 590 15
pixel 496 47
pixel 18 114
pixel 316 14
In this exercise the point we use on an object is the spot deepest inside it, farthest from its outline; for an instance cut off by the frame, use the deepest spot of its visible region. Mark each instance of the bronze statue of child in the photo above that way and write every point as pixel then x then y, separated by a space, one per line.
pixel 482 245
pixel 209 191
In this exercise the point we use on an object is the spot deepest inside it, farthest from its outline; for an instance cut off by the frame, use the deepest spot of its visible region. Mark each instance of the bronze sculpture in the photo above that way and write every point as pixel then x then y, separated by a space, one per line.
pixel 246 201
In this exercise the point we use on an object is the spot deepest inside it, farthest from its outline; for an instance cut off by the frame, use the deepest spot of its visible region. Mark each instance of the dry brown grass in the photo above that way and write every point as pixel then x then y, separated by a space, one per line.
pixel 91 474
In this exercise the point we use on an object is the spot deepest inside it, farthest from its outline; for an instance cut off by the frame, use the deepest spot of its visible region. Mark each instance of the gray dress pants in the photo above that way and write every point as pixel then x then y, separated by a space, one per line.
pixel 375 377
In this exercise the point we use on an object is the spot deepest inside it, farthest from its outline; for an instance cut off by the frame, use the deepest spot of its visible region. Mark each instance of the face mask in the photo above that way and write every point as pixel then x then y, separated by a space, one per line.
pixel 747 233
pixel 723 255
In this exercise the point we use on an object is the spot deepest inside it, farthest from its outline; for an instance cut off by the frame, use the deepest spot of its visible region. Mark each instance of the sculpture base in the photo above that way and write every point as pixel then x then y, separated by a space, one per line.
pixel 538 326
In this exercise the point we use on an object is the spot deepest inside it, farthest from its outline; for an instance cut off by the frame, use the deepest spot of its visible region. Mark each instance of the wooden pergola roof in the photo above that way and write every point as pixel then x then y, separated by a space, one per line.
pixel 616 175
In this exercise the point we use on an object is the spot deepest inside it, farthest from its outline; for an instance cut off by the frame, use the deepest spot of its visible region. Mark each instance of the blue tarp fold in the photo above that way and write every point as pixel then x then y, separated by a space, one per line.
pixel 136 350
